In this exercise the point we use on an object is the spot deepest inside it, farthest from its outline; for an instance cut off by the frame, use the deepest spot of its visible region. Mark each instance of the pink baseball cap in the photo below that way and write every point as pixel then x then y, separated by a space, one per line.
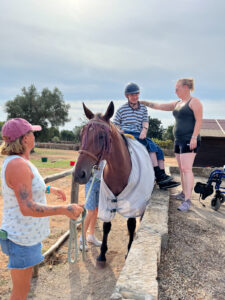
pixel 15 128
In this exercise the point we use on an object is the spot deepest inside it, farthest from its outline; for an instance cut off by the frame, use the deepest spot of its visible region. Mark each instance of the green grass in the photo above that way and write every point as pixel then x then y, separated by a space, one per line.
pixel 42 151
pixel 65 164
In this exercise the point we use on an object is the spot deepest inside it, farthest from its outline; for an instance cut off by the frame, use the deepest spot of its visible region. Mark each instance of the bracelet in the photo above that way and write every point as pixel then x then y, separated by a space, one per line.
pixel 145 127
pixel 48 189
pixel 194 137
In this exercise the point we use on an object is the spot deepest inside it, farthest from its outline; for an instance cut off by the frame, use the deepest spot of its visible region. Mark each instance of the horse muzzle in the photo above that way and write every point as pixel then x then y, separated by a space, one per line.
pixel 81 175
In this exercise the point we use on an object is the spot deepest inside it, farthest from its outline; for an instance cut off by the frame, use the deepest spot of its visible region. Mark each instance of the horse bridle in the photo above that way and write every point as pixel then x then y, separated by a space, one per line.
pixel 89 153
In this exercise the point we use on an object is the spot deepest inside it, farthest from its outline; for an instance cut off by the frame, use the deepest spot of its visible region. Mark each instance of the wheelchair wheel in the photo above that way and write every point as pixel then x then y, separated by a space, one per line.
pixel 216 202
pixel 222 198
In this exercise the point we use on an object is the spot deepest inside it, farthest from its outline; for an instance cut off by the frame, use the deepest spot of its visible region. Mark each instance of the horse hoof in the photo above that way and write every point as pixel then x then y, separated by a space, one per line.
pixel 101 264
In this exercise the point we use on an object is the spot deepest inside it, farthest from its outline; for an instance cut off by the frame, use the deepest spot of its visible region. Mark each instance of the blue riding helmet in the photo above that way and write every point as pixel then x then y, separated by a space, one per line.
pixel 132 88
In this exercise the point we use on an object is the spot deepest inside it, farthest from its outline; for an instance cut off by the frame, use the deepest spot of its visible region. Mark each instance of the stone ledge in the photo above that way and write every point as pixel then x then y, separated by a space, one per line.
pixel 138 278
pixel 199 172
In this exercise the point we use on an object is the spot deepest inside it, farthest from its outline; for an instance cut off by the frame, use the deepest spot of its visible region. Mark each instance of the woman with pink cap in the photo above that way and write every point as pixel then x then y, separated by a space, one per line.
pixel 25 222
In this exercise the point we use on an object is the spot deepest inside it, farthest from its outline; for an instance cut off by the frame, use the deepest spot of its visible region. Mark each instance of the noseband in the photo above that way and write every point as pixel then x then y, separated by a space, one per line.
pixel 83 151
pixel 89 154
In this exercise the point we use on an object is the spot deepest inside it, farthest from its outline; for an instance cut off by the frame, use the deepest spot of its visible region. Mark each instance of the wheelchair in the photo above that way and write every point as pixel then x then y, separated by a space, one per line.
pixel 207 189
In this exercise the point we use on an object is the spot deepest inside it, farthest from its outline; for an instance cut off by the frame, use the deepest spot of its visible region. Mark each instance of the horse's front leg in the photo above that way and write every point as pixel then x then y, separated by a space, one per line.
pixel 131 225
pixel 101 259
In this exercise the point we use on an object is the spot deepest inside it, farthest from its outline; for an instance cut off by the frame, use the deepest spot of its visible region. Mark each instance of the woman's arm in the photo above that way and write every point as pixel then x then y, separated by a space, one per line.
pixel 164 106
pixel 19 178
pixel 58 192
pixel 196 106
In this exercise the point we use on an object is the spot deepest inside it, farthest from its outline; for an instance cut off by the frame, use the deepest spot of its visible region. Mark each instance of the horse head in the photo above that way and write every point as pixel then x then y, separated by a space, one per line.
pixel 95 143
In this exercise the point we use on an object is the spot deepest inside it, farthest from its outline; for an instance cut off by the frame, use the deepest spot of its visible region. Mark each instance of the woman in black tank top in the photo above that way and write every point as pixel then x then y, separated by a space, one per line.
pixel 188 120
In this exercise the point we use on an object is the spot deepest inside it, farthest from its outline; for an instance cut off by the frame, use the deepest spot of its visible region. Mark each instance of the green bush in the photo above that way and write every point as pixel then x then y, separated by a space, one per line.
pixel 168 144
pixel 55 139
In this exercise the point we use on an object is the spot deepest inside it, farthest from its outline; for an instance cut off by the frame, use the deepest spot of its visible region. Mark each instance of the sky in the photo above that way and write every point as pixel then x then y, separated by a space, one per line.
pixel 90 50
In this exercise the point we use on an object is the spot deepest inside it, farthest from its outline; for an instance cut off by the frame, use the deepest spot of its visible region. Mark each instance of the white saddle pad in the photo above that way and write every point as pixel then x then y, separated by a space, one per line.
pixel 131 202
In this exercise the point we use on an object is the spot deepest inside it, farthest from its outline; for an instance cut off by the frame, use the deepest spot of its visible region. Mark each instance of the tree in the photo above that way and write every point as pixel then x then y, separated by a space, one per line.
pixel 77 131
pixel 1 124
pixel 44 109
pixel 67 135
pixel 155 129
pixel 168 133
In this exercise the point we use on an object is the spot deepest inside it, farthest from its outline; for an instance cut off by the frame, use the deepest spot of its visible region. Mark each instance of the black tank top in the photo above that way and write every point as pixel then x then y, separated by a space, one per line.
pixel 184 122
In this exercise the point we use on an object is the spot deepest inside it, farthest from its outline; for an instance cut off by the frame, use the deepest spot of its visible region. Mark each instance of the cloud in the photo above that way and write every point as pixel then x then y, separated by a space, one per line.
pixel 91 49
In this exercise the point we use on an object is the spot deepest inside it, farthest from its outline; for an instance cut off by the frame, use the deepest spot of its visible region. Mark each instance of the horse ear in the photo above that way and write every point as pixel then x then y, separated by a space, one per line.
pixel 110 111
pixel 87 112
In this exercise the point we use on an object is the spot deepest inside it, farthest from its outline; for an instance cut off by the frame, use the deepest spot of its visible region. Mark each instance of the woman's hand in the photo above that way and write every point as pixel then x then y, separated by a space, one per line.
pixel 74 210
pixel 58 192
pixel 193 143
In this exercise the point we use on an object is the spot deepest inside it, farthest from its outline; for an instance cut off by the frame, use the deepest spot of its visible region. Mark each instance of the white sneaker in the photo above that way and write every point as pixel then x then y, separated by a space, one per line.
pixel 85 246
pixel 179 196
pixel 92 239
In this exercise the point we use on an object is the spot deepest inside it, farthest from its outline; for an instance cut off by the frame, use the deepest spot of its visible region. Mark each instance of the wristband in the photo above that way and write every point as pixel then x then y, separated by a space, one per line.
pixel 48 189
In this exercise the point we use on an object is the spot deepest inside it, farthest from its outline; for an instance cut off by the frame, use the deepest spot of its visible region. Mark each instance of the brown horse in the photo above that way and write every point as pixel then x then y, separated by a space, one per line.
pixel 101 140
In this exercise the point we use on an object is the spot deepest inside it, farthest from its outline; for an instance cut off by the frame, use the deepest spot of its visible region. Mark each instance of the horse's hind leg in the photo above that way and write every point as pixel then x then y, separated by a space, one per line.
pixel 131 225
pixel 101 259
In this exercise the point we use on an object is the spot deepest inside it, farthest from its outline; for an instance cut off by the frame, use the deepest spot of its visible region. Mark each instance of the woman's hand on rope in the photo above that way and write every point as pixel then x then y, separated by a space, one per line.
pixel 59 193
pixel 74 210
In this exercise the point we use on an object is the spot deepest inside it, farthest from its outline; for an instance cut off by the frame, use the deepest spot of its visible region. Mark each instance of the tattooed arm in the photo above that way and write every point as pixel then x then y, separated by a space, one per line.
pixel 19 177
pixel 164 106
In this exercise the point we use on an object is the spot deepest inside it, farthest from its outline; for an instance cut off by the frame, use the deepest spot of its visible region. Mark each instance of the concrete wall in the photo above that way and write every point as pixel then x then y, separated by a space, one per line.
pixel 138 278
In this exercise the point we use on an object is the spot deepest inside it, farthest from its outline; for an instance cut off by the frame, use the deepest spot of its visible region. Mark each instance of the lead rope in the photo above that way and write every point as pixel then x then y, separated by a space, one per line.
pixel 73 232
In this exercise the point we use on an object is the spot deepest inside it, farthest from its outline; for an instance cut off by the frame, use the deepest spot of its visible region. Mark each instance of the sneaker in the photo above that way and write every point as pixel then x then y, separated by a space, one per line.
pixel 179 196
pixel 92 239
pixel 185 205
pixel 169 185
pixel 163 178
pixel 85 246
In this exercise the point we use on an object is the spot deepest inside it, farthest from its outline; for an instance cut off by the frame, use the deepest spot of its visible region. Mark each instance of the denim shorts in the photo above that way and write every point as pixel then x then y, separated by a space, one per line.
pixel 92 201
pixel 181 147
pixel 21 257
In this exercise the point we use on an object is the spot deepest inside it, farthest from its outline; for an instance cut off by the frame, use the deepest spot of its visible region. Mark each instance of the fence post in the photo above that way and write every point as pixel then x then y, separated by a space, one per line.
pixel 74 199
pixel 74 190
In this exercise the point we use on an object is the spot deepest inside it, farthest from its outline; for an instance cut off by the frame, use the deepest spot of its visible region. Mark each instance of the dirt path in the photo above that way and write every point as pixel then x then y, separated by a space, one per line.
pixel 60 280
pixel 191 268
pixel 193 265
pixel 83 280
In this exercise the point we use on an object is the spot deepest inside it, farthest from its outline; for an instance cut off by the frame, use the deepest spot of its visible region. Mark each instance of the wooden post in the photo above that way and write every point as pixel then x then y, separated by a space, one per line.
pixel 74 195
pixel 74 190
pixel 74 199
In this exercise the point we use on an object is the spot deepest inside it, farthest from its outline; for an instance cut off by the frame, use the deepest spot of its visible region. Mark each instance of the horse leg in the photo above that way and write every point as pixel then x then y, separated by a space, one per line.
pixel 131 225
pixel 101 259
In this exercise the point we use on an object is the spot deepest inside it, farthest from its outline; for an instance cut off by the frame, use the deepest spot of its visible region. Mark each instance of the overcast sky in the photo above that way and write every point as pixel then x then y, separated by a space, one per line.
pixel 90 49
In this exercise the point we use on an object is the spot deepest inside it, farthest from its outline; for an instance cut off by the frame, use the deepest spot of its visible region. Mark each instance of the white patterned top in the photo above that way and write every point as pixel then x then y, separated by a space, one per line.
pixel 23 230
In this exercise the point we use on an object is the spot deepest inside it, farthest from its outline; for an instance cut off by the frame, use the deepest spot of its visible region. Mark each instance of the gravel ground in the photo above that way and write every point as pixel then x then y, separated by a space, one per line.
pixel 192 267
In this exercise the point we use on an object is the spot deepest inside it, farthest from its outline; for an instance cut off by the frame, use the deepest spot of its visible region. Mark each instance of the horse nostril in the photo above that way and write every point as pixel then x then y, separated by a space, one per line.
pixel 82 174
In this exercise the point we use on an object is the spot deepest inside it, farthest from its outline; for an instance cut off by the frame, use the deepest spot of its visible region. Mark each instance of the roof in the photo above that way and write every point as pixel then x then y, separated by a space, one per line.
pixel 213 128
